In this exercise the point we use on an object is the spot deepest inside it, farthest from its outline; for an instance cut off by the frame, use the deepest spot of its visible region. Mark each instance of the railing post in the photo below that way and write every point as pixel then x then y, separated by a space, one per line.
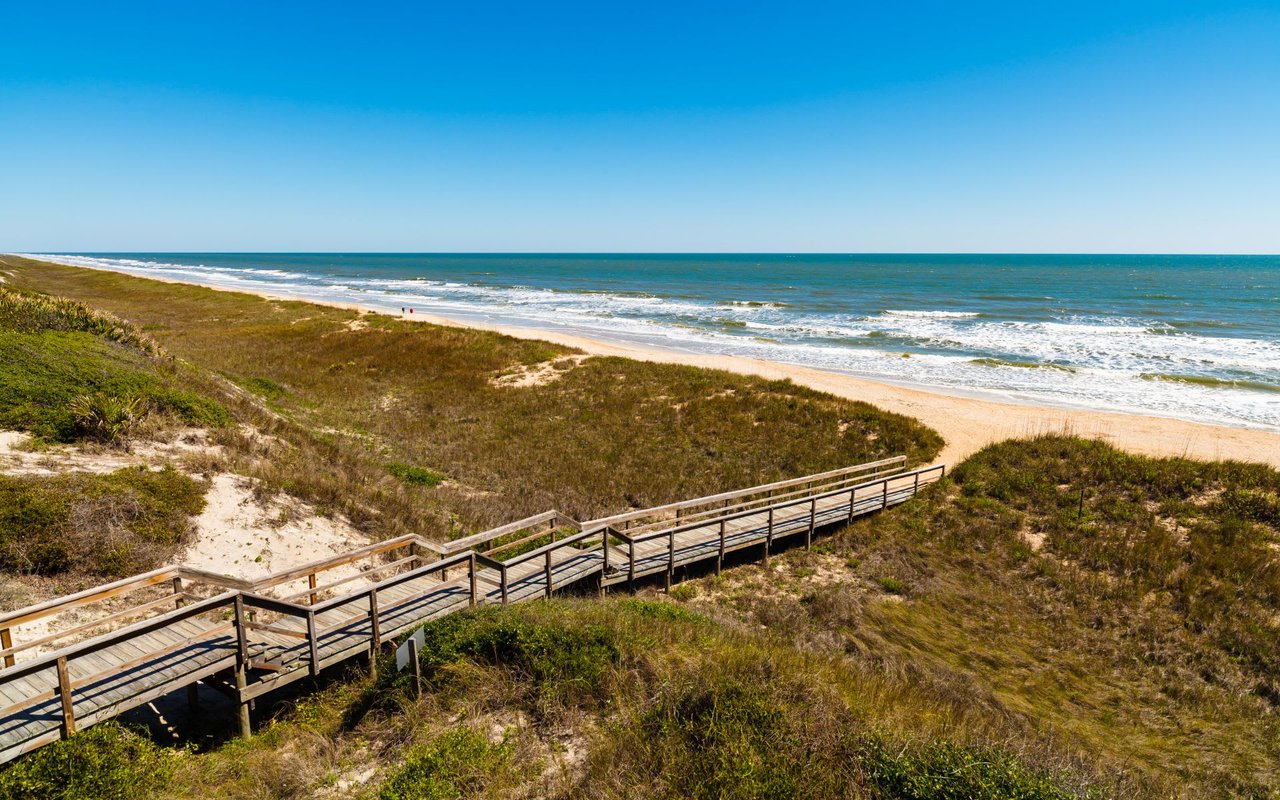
pixel 813 521
pixel 178 600
pixel 311 584
pixel 313 643
pixel 720 552
pixel 547 573
pixel 375 631
pixel 631 565
pixel 852 492
pixel 242 669
pixel 915 489
pixel 6 641
pixel 884 503
pixel 503 572
pixel 671 558
pixel 64 694
pixel 472 577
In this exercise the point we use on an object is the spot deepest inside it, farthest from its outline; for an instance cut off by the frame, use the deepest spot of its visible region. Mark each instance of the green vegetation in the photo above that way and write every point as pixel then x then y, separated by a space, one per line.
pixel 68 373
pixel 107 525
pixel 458 763
pixel 105 762
pixel 417 476
pixel 1124 606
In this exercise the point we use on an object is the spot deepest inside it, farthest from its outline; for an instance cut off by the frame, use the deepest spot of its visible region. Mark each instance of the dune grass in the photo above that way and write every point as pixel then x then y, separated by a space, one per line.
pixel 342 395
pixel 616 699
pixel 1123 605
pixel 103 525
pixel 69 373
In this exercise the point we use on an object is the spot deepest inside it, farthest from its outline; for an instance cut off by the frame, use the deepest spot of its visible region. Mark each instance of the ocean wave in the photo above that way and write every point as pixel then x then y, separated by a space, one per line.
pixel 933 314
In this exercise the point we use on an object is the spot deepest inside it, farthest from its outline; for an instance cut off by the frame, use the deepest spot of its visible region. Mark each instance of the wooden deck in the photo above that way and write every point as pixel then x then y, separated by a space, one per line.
pixel 174 627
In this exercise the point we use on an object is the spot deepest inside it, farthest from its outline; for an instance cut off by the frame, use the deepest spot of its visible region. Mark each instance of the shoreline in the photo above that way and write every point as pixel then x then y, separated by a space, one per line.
pixel 966 423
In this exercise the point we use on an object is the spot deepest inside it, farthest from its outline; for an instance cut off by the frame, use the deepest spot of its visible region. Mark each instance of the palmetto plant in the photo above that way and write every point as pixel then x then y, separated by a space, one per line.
pixel 107 418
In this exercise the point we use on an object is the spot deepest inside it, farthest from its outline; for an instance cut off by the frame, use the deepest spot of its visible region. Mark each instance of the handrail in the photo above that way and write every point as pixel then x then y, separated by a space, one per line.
pixel 629 515
pixel 760 503
pixel 547 548
pixel 113 637
pixel 59 604
pixel 323 564
pixel 553 516
pixel 649 536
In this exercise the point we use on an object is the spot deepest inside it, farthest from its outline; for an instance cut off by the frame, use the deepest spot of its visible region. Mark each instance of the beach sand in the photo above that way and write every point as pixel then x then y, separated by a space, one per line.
pixel 968 424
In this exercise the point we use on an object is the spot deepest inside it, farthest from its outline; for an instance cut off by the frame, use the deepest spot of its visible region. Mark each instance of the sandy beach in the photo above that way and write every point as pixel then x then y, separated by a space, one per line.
pixel 967 423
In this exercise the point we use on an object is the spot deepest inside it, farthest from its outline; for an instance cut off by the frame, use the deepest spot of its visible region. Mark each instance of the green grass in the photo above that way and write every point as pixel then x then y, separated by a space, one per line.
pixel 456 764
pixel 107 525
pixel 1139 629
pixel 415 476
pixel 62 365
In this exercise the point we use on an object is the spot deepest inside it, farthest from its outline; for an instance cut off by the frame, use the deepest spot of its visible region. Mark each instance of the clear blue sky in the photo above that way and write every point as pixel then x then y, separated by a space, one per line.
pixel 789 126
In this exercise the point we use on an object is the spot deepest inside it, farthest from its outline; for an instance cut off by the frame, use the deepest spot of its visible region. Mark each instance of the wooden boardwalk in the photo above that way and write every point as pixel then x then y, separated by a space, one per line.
pixel 152 634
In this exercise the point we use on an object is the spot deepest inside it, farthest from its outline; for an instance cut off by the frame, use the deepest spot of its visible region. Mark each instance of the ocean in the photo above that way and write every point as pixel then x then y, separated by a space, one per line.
pixel 1194 337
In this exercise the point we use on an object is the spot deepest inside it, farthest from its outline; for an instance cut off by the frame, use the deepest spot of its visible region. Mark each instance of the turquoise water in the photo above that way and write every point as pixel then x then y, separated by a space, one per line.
pixel 1196 337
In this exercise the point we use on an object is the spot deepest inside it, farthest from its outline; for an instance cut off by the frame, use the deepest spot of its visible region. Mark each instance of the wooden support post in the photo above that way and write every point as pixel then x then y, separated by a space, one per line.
pixel 720 552
pixel 852 492
pixel 631 565
pixel 472 576
pixel 813 522
pixel 313 644
pixel 242 668
pixel 311 584
pixel 547 573
pixel 6 641
pixel 768 537
pixel 178 600
pixel 671 559
pixel 375 632
pixel 884 503
pixel 64 694
pixel 915 488
pixel 503 572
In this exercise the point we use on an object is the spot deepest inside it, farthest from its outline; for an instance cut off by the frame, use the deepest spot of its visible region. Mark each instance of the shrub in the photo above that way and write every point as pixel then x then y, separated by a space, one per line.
pixel 417 476
pixel 456 764
pixel 114 524
pixel 945 771
pixel 105 418
pixel 105 762
pixel 559 662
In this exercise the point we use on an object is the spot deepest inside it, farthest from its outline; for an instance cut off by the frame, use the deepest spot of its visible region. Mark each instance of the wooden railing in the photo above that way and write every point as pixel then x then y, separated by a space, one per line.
pixel 326 629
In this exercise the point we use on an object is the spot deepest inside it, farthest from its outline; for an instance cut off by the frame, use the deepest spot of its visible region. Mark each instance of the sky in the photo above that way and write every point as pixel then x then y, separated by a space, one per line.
pixel 795 126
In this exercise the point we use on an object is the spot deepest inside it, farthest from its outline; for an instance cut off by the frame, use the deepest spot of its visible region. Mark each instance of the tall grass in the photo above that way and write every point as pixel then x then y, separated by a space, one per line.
pixel 1124 606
